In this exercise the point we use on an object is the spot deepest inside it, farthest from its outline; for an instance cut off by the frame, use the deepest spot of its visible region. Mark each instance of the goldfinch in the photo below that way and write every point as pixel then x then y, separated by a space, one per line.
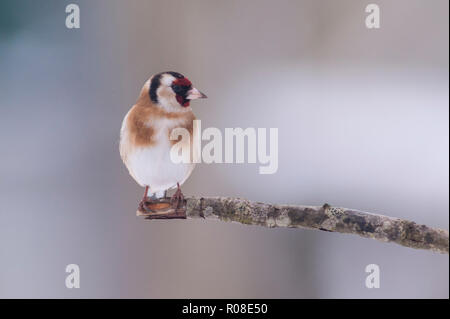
pixel 145 144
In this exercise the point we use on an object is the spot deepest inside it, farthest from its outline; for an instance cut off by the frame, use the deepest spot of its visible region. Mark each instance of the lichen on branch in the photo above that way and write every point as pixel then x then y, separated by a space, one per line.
pixel 325 218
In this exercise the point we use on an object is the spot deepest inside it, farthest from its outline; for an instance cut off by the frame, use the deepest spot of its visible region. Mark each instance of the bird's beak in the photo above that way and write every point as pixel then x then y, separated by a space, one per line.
pixel 194 94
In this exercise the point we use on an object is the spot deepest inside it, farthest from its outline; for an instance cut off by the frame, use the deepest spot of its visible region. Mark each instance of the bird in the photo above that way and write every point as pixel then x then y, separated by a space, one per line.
pixel 145 144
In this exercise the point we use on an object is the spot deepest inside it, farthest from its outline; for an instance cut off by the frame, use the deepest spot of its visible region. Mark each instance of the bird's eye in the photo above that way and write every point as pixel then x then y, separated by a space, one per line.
pixel 180 89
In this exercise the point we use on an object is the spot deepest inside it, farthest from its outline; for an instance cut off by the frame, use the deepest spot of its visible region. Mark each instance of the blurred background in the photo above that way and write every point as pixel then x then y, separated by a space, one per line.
pixel 363 123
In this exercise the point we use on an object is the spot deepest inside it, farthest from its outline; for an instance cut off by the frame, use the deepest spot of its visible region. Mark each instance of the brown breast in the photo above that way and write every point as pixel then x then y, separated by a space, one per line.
pixel 143 121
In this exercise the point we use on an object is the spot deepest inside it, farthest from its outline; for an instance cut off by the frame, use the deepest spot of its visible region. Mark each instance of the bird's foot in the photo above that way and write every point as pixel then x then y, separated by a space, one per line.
pixel 163 208
pixel 145 204
pixel 177 198
pixel 178 202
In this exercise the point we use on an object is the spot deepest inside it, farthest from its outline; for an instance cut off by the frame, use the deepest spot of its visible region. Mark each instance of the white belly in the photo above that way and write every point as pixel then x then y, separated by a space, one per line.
pixel 152 166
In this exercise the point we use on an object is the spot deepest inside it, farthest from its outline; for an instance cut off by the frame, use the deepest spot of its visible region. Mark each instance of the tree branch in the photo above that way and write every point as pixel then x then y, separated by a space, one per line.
pixel 326 218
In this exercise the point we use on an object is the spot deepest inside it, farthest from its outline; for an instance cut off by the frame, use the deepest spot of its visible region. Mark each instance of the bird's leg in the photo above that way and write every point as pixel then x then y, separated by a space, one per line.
pixel 143 204
pixel 177 197
pixel 163 208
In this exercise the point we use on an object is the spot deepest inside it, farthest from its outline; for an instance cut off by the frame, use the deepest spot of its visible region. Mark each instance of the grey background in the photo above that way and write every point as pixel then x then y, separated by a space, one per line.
pixel 363 123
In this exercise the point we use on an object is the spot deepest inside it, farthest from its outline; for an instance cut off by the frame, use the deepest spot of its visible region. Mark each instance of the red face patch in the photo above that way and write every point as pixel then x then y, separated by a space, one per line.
pixel 182 101
pixel 182 82
pixel 181 87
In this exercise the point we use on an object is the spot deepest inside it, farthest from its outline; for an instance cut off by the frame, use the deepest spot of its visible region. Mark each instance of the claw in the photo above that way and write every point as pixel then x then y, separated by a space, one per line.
pixel 163 208
pixel 178 197
pixel 143 206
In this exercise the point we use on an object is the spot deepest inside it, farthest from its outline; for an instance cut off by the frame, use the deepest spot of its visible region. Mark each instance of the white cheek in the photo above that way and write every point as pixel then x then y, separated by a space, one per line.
pixel 168 101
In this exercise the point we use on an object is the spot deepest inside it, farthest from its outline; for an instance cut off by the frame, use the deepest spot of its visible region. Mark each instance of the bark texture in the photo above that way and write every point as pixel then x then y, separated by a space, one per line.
pixel 326 218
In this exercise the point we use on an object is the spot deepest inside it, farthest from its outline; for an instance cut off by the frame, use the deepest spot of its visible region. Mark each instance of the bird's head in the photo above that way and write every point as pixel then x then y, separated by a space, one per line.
pixel 172 91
